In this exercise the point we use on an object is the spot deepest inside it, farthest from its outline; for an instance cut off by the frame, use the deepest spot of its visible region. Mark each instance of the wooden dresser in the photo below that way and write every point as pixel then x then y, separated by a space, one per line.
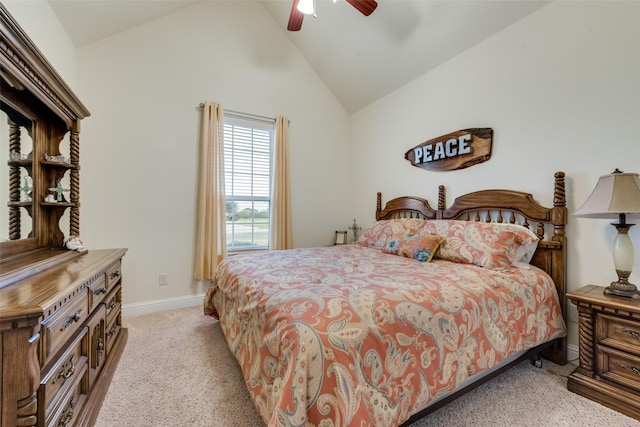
pixel 61 337
pixel 61 332
pixel 609 340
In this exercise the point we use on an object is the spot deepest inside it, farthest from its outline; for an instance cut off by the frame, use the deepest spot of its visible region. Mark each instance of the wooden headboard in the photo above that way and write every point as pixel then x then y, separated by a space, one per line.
pixel 504 206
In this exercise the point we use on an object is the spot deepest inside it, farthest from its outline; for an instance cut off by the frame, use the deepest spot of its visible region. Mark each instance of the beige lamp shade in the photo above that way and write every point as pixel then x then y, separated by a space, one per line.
pixel 615 194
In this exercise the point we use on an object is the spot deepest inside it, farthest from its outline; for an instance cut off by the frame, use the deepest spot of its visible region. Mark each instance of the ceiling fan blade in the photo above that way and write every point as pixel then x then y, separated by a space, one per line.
pixel 295 17
pixel 366 7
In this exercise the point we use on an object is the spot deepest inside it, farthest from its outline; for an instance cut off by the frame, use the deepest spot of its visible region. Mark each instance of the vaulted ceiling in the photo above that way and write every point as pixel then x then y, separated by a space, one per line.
pixel 359 58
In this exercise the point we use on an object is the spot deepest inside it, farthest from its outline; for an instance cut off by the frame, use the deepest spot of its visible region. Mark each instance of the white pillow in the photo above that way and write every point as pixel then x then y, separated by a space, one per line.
pixel 525 252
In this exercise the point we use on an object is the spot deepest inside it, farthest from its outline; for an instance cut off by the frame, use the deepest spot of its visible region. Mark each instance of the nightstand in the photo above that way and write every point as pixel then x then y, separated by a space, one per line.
pixel 609 341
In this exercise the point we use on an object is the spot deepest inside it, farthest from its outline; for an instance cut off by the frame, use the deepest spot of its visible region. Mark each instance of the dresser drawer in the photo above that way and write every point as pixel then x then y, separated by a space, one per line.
pixel 61 375
pixel 113 329
pixel 97 350
pixel 619 333
pixel 112 303
pixel 619 367
pixel 97 292
pixel 70 406
pixel 58 328
pixel 114 274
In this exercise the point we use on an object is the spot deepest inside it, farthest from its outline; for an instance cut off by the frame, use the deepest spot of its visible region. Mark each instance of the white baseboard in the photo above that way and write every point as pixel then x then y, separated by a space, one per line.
pixel 156 306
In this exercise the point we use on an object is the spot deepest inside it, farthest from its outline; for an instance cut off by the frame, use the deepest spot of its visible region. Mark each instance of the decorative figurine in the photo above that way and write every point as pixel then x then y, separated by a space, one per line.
pixel 75 244
pixel 16 155
pixel 27 188
pixel 58 190
pixel 50 199
pixel 355 227
pixel 57 159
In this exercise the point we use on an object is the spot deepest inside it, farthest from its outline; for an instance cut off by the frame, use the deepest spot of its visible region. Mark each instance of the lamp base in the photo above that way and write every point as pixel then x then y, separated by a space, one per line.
pixel 622 288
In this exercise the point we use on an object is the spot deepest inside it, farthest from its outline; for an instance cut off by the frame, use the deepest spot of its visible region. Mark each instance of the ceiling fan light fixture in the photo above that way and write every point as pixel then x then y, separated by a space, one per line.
pixel 306 7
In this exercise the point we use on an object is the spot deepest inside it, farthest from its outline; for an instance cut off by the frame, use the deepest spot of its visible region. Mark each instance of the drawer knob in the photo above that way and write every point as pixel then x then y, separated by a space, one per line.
pixel 66 370
pixel 100 351
pixel 634 334
pixel 633 369
pixel 101 291
pixel 114 275
pixel 111 304
pixel 112 331
pixel 76 317
pixel 67 416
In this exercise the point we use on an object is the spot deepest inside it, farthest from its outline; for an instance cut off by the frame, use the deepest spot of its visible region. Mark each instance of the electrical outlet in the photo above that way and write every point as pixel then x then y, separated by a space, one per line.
pixel 164 279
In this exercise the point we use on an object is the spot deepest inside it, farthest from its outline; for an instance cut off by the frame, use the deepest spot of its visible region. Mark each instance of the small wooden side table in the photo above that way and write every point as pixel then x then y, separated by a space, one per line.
pixel 609 343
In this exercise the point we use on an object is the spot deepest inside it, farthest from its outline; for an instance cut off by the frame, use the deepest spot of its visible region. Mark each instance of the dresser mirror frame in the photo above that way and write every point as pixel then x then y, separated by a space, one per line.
pixel 32 90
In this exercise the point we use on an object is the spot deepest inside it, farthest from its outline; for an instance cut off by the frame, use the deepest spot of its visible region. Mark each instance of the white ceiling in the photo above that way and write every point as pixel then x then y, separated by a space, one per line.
pixel 359 58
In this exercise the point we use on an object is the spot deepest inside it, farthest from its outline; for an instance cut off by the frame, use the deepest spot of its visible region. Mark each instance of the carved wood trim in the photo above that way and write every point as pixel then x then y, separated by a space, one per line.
pixel 405 207
pixel 33 92
pixel 74 220
pixel 586 340
pixel 23 357
pixel 28 68
pixel 24 411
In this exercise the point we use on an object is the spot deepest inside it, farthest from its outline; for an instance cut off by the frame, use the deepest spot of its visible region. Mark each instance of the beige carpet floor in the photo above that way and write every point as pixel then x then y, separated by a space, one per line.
pixel 177 370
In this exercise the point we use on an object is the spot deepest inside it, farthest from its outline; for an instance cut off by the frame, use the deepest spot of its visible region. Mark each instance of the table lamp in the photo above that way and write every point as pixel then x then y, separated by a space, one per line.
pixel 617 195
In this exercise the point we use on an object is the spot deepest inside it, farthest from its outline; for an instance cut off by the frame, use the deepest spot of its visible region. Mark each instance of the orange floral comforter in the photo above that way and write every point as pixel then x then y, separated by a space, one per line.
pixel 350 336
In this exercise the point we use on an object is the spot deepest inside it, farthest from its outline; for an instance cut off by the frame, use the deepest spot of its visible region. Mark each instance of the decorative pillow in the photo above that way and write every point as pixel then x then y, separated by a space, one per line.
pixel 379 233
pixel 420 246
pixel 483 244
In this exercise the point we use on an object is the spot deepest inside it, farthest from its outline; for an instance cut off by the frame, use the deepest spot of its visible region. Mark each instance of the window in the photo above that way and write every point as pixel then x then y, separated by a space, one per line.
pixel 248 145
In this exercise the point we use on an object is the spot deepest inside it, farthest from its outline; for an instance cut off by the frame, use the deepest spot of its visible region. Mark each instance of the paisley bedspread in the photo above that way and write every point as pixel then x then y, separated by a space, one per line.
pixel 350 336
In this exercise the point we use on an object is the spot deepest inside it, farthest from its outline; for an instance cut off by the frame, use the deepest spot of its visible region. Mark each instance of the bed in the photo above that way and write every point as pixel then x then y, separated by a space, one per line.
pixel 428 304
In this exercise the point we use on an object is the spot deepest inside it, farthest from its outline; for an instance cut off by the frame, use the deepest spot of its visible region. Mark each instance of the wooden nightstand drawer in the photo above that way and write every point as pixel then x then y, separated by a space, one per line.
pixel 621 368
pixel 62 325
pixel 618 333
pixel 609 331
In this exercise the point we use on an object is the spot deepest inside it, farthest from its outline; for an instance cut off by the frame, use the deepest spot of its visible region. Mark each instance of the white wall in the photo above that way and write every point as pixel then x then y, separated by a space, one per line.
pixel 561 90
pixel 42 26
pixel 139 147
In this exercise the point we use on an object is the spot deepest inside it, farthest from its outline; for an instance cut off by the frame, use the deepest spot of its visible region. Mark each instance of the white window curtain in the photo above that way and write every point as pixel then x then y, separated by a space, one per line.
pixel 210 239
pixel 280 228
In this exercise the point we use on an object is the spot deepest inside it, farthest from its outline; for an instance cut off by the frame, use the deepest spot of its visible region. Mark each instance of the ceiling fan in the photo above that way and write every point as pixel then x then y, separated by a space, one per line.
pixel 366 7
